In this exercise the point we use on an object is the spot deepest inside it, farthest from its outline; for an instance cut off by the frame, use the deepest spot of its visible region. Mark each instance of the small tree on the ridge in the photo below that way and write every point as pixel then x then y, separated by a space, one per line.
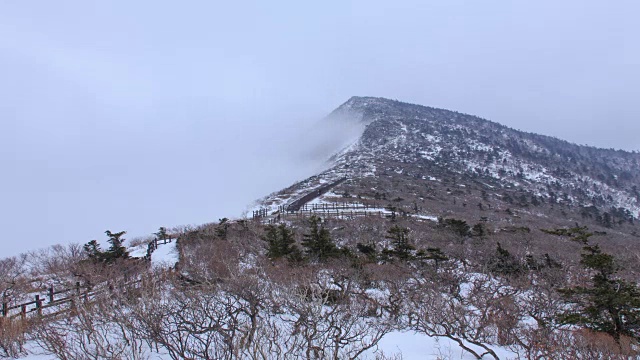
pixel 223 228
pixel 93 250
pixel 116 249
pixel 162 234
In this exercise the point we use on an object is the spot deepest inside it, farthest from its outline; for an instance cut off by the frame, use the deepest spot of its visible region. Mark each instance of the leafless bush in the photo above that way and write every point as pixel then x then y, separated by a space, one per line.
pixel 564 344
pixel 200 322
pixel 261 312
pixel 55 266
pixel 90 331
pixel 13 279
pixel 12 337
pixel 477 315
pixel 329 316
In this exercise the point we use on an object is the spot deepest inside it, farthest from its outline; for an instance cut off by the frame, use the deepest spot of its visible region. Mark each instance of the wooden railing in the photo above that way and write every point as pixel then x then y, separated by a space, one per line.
pixel 337 214
pixel 51 299
pixel 55 306
pixel 344 210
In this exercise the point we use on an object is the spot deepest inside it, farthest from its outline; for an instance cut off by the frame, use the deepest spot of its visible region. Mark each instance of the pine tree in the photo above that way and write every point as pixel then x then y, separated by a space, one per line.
pixel 478 230
pixel 162 234
pixel 399 237
pixel 609 304
pixel 116 250
pixel 504 264
pixel 368 250
pixel 318 243
pixel 281 242
pixel 223 228
pixel 92 249
pixel 436 255
pixel 577 233
pixel 459 227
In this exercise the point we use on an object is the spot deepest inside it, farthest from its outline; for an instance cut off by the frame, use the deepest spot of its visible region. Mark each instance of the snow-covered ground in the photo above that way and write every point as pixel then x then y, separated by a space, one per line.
pixel 138 251
pixel 410 345
pixel 165 256
pixel 414 346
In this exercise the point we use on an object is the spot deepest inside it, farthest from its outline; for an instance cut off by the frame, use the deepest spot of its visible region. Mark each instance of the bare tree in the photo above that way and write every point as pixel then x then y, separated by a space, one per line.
pixel 13 279
pixel 90 331
pixel 12 337
pixel 466 317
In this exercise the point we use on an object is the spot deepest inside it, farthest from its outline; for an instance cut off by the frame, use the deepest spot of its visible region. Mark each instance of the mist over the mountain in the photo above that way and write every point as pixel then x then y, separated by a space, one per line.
pixel 172 168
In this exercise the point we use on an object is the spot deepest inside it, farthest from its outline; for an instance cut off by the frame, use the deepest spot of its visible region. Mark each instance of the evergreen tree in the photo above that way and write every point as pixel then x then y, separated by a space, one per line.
pixel 577 233
pixel 478 230
pixel 281 242
pixel 400 242
pixel 436 255
pixel 116 250
pixel 92 249
pixel 608 304
pixel 162 234
pixel 318 243
pixel 369 250
pixel 546 262
pixel 531 263
pixel 223 228
pixel 271 237
pixel 459 227
pixel 504 264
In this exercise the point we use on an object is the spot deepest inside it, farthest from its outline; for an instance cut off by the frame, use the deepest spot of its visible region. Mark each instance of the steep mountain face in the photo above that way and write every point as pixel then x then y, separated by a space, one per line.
pixel 423 157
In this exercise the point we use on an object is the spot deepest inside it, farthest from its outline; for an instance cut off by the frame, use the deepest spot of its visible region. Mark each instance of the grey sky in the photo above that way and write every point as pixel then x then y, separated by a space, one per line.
pixel 138 114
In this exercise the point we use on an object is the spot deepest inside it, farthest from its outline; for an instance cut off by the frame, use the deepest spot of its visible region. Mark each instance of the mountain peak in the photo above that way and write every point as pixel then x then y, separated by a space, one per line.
pixel 364 108
pixel 362 102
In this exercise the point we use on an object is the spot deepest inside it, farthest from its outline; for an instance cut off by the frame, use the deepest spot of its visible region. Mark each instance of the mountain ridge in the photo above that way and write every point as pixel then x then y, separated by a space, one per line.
pixel 420 140
pixel 363 101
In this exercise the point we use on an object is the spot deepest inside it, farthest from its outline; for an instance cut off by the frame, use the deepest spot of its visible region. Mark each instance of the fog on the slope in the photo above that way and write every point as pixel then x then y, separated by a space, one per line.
pixel 203 164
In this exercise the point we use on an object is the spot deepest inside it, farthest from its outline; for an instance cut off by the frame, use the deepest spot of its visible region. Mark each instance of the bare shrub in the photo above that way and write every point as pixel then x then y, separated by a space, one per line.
pixel 13 279
pixel 565 344
pixel 475 315
pixel 90 331
pixel 12 337
pixel 329 315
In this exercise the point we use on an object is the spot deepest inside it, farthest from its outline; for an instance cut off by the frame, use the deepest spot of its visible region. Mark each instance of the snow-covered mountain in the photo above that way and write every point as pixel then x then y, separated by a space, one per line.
pixel 418 146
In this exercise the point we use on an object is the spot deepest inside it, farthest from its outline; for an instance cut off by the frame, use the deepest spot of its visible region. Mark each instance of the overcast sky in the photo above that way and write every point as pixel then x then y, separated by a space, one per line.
pixel 130 115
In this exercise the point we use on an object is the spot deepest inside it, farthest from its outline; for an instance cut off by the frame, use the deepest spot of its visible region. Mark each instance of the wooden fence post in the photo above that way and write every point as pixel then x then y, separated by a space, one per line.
pixel 51 294
pixel 4 309
pixel 23 311
pixel 78 288
pixel 39 304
